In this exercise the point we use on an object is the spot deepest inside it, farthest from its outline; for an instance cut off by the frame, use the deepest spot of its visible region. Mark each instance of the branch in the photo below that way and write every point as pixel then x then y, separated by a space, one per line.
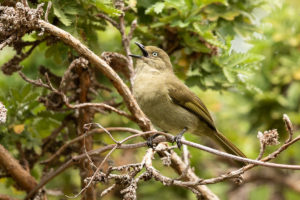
pixel 84 117
pixel 6 197
pixel 47 10
pixel 125 37
pixel 25 3
pixel 49 86
pixel 107 18
pixel 180 165
pixel 124 91
pixel 247 160
pixel 126 45
pixel 289 127
pixel 7 41
pixel 132 28
pixel 98 151
pixel 17 172
pixel 101 105
pixel 38 83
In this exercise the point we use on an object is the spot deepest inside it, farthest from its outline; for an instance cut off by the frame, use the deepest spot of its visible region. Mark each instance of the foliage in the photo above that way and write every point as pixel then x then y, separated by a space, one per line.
pixel 211 38
pixel 247 61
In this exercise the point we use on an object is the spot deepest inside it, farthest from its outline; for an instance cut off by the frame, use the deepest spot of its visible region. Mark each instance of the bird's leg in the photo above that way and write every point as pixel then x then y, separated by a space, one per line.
pixel 150 140
pixel 178 137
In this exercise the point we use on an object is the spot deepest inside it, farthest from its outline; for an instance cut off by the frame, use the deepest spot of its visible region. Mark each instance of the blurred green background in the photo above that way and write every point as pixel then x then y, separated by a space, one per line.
pixel 240 57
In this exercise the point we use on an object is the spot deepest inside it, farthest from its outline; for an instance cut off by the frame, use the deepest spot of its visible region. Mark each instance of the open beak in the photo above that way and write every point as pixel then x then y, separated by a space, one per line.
pixel 142 48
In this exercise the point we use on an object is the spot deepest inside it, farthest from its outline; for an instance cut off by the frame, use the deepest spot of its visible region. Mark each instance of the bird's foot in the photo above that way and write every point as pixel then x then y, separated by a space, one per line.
pixel 178 137
pixel 150 140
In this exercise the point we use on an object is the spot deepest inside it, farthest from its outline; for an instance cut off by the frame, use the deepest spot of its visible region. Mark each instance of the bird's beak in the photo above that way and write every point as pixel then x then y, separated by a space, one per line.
pixel 142 48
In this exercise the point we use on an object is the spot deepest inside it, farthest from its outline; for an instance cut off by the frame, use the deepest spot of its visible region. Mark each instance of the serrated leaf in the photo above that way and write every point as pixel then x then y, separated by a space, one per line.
pixel 72 10
pixel 25 91
pixel 193 80
pixel 207 2
pixel 37 109
pixel 217 43
pixel 156 8
pixel 294 95
pixel 61 16
pixel 229 75
pixel 180 24
pixel 239 45
pixel 107 8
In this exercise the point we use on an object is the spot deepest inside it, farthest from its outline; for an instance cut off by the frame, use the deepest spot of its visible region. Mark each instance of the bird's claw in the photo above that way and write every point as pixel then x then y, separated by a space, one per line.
pixel 150 140
pixel 177 139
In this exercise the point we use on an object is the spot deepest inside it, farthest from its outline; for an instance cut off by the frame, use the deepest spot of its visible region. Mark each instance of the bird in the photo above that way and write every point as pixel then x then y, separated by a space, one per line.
pixel 169 103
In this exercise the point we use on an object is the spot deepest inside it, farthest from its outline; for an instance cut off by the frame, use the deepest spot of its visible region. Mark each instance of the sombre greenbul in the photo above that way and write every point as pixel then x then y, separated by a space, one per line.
pixel 169 103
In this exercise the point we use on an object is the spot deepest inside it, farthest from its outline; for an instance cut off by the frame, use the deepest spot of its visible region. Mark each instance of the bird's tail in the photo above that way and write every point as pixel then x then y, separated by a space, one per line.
pixel 228 146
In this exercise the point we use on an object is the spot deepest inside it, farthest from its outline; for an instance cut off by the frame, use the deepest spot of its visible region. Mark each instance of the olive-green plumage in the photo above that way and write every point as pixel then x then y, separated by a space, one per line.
pixel 169 104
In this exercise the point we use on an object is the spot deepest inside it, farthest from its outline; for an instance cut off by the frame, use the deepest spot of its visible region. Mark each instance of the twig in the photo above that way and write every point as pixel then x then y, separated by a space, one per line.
pixel 107 190
pixel 223 177
pixel 48 10
pixel 213 151
pixel 62 148
pixel 38 82
pixel 160 139
pixel 132 28
pixel 126 46
pixel 185 154
pixel 158 176
pixel 289 127
pixel 180 167
pixel 23 178
pixel 8 41
pixel 124 91
pixel 247 160
pixel 262 145
pixel 75 159
pixel 49 86
pixel 95 173
pixel 106 157
pixel 6 197
pixel 87 126
pixel 87 155
pixel 186 160
pixel 100 105
pixel 110 20
pixel 125 38
pixel 25 3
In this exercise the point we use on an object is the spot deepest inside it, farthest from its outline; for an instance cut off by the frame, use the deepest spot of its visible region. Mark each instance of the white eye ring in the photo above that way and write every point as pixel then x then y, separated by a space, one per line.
pixel 154 54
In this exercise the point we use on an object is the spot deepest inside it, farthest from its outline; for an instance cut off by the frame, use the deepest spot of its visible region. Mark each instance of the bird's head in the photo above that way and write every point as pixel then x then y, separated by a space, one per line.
pixel 153 57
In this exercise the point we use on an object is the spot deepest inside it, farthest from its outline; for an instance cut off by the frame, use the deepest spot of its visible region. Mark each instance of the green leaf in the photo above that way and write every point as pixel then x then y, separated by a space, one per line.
pixel 107 8
pixel 229 75
pixel 61 16
pixel 194 43
pixel 26 90
pixel 239 45
pixel 203 3
pixel 293 95
pixel 156 8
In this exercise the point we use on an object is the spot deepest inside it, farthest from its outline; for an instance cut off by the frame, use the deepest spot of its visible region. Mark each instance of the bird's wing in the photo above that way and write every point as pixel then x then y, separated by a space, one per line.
pixel 182 96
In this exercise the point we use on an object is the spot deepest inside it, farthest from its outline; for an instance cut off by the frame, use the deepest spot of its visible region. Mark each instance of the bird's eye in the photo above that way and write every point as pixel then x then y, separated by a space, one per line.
pixel 154 54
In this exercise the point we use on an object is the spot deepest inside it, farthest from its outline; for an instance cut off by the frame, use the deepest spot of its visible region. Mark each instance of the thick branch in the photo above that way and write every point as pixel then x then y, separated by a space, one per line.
pixel 18 173
pixel 6 197
pixel 133 107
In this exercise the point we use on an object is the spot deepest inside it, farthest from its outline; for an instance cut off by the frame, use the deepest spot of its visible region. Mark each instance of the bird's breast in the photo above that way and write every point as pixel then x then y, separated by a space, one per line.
pixel 151 93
